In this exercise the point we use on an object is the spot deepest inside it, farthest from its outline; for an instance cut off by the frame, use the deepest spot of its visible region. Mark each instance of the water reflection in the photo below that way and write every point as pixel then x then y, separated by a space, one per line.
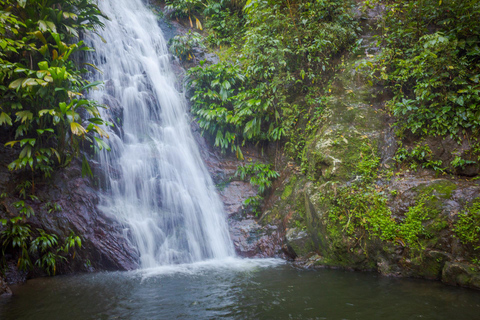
pixel 231 291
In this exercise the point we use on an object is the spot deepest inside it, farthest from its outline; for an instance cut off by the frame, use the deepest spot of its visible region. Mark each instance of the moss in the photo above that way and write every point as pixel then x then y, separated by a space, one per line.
pixel 289 188
pixel 441 188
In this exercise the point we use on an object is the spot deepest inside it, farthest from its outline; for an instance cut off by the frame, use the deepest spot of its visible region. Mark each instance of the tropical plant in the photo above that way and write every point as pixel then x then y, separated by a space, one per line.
pixel 288 48
pixel 42 89
pixel 43 111
pixel 183 46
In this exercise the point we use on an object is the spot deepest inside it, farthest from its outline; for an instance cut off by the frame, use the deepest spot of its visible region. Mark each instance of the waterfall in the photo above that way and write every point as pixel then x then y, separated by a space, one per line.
pixel 158 185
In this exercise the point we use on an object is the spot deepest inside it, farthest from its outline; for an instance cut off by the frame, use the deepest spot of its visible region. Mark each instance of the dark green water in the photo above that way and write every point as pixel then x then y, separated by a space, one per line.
pixel 238 291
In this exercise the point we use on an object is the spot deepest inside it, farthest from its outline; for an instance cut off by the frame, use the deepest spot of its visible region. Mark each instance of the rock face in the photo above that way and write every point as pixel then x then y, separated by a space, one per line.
pixel 104 245
pixel 250 238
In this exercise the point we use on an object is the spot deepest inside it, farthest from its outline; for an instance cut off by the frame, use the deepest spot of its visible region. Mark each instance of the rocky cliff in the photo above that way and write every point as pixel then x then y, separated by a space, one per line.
pixel 349 203
pixel 104 245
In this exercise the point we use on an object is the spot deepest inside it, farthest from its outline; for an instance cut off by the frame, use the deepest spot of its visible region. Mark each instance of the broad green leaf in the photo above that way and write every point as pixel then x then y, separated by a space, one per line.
pixel 102 144
pixel 16 84
pixel 40 36
pixel 5 118
pixel 29 82
pixel 43 65
pixel 42 25
pixel 51 25
pixel 77 129
pixel 24 115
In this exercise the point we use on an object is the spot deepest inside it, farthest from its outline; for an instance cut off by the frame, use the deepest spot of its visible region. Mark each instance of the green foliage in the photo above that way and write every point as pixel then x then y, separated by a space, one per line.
pixel 421 154
pixel 367 167
pixel 431 63
pixel 16 234
pixel 43 109
pixel 185 8
pixel 362 209
pixel 287 47
pixel 182 46
pixel 43 246
pixel 467 227
pixel 41 87
pixel 262 176
pixel 215 103
pixel 225 23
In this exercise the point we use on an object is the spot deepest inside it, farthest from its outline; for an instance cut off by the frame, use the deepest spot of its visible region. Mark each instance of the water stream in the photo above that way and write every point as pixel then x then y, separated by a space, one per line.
pixel 159 187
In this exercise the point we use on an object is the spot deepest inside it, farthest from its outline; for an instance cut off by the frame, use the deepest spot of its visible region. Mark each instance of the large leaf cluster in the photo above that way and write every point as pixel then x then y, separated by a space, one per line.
pixel 41 87
pixel 287 48
pixel 431 62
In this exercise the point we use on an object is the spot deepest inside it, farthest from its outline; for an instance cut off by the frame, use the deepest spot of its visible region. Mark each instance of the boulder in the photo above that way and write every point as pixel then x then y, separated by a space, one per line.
pixel 461 274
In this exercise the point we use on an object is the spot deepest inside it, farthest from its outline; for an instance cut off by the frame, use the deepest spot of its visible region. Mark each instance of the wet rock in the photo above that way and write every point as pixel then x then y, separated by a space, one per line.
pixel 4 289
pixel 104 245
pixel 299 241
pixel 234 194
pixel 461 274
pixel 447 150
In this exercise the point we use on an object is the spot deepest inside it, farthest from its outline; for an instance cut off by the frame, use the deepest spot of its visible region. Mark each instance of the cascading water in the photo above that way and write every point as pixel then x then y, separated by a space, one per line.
pixel 159 186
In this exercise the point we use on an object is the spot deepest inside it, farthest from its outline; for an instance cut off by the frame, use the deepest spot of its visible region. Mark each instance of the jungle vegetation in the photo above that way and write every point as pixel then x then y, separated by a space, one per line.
pixel 45 116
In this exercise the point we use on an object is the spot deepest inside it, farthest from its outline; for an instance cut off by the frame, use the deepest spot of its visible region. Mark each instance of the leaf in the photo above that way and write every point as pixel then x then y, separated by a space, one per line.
pixel 71 30
pixel 40 36
pixel 43 50
pixel 24 115
pixel 63 107
pixel 42 25
pixel 52 26
pixel 101 144
pixel 5 118
pixel 29 82
pixel 86 170
pixel 26 152
pixel 56 153
pixel 94 67
pixel 43 65
pixel 77 129
pixel 90 85
pixel 16 84
pixel 49 111
pixel 198 24
pixel 22 3
pixel 11 143
pixel 100 131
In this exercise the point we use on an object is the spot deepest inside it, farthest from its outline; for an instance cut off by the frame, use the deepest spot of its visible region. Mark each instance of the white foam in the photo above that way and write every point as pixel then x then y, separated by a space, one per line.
pixel 230 264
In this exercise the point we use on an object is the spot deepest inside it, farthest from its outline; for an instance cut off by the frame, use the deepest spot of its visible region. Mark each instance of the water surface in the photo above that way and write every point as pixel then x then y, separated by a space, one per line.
pixel 236 289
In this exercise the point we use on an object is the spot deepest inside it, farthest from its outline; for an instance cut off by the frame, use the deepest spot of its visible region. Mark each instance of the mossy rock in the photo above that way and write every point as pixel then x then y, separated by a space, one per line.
pixel 461 274
pixel 443 189
pixel 299 241
pixel 335 149
pixel 289 188
pixel 427 265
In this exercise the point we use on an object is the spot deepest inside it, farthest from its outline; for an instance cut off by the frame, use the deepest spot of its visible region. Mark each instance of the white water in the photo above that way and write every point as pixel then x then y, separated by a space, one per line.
pixel 159 187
